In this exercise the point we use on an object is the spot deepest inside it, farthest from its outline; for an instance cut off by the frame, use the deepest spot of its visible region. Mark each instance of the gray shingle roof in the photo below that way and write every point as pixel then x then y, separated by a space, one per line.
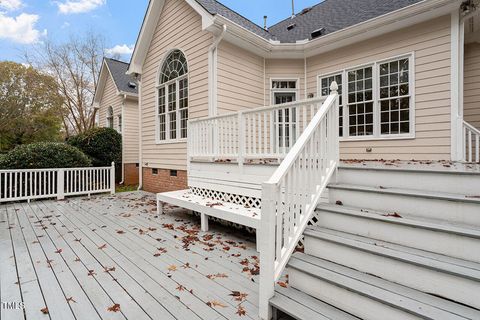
pixel 118 70
pixel 215 7
pixel 333 15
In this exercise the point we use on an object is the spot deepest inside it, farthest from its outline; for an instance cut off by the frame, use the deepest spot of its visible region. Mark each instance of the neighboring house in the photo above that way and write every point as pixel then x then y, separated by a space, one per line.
pixel 240 123
pixel 116 99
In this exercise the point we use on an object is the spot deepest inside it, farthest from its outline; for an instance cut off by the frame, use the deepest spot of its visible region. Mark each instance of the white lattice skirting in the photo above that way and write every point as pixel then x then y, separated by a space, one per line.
pixel 246 201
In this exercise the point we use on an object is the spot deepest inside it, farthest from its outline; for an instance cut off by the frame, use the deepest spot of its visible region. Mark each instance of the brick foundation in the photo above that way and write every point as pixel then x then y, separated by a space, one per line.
pixel 131 174
pixel 163 181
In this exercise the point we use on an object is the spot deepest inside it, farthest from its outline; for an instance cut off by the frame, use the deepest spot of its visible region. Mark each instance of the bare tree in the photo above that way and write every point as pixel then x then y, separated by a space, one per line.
pixel 75 65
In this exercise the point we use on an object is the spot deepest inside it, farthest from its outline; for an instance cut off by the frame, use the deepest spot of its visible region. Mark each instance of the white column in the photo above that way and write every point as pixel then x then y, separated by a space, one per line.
pixel 60 184
pixel 112 178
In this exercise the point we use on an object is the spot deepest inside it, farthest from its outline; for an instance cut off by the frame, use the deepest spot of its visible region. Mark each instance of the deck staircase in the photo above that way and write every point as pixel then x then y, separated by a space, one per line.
pixel 392 243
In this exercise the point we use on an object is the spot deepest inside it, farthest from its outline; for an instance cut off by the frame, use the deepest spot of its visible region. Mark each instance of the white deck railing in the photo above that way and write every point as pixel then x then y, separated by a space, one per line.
pixel 471 136
pixel 18 185
pixel 290 197
pixel 267 132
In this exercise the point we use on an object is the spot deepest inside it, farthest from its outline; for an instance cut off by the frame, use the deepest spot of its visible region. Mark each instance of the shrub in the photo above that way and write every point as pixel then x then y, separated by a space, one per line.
pixel 102 145
pixel 44 155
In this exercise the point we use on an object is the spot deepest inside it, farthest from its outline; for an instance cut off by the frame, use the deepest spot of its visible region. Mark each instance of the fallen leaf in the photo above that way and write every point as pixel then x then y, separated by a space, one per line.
pixel 181 288
pixel 59 251
pixel 393 215
pixel 172 268
pixel 239 296
pixel 103 246
pixel 241 311
pixel 339 203
pixel 109 269
pixel 44 310
pixel 91 273
pixel 71 300
pixel 282 284
pixel 215 303
pixel 120 231
pixel 114 308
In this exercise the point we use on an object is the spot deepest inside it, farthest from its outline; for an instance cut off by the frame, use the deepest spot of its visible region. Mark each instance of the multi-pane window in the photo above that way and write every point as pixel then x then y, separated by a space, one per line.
pixel 360 102
pixel 394 97
pixel 120 128
pixel 172 94
pixel 285 91
pixel 375 100
pixel 110 117
pixel 325 91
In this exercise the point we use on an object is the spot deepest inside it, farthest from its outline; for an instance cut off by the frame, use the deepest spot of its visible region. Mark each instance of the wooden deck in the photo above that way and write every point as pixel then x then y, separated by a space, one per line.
pixel 112 257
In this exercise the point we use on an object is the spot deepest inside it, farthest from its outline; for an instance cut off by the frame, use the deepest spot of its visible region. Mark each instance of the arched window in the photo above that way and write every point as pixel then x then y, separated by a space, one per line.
pixel 172 107
pixel 110 117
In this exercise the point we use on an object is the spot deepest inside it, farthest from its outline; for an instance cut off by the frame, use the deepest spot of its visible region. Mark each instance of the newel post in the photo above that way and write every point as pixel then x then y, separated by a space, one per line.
pixel 336 127
pixel 112 178
pixel 267 250
pixel 60 184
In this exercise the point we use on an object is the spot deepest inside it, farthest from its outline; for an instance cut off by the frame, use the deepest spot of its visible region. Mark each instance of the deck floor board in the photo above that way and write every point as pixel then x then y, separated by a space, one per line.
pixel 108 250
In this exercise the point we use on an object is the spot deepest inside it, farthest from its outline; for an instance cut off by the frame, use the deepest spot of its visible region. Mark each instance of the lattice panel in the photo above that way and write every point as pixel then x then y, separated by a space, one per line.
pixel 246 201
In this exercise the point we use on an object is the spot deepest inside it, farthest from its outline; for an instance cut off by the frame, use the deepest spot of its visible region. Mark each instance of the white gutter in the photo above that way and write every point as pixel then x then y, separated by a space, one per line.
pixel 410 15
pixel 212 73
pixel 140 160
pixel 123 145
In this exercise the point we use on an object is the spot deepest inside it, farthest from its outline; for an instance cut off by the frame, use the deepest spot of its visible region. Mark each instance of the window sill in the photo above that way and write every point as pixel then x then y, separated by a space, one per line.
pixel 159 142
pixel 380 138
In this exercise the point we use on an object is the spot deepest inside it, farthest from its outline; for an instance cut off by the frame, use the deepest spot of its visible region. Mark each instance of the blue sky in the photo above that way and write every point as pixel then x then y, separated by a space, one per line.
pixel 25 22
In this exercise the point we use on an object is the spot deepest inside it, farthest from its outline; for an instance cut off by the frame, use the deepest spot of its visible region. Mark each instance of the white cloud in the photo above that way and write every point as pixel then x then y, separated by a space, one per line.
pixel 79 6
pixel 120 50
pixel 11 4
pixel 20 29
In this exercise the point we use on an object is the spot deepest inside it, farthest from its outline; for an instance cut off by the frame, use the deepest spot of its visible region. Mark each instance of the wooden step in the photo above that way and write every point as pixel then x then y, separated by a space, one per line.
pixel 450 178
pixel 451 278
pixel 304 307
pixel 450 207
pixel 367 296
pixel 457 241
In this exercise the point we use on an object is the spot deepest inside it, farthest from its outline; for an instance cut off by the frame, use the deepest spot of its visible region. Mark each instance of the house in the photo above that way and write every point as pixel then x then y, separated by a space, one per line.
pixel 248 124
pixel 116 100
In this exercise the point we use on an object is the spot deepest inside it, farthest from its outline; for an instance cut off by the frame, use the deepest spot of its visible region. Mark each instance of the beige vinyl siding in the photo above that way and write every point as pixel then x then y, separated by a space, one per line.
pixel 130 131
pixel 240 79
pixel 430 43
pixel 472 84
pixel 179 27
pixel 284 69
pixel 111 98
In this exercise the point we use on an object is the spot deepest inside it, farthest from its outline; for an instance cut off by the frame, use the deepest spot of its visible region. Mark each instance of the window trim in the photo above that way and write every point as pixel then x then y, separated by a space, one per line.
pixel 165 85
pixel 110 118
pixel 296 91
pixel 376 100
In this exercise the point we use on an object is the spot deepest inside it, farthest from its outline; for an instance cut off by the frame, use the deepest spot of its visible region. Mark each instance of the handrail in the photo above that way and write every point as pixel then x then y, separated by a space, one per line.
pixel 259 109
pixel 471 138
pixel 290 196
pixel 266 132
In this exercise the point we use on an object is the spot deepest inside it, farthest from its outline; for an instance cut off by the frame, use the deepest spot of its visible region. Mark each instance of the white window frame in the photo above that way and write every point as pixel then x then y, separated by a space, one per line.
pixel 284 90
pixel 110 118
pixel 120 123
pixel 177 111
pixel 376 99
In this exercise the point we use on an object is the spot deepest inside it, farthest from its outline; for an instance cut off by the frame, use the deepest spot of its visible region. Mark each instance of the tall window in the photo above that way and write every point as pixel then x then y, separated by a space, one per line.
pixel 110 117
pixel 375 100
pixel 120 127
pixel 285 91
pixel 172 94
pixel 325 91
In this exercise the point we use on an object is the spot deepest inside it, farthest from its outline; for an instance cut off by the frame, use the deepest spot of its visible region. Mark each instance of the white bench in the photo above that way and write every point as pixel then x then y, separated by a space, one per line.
pixel 208 207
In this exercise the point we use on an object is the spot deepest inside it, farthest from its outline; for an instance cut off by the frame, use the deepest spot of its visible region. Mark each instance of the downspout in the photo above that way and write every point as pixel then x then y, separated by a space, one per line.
pixel 305 80
pixel 140 160
pixel 212 74
pixel 123 140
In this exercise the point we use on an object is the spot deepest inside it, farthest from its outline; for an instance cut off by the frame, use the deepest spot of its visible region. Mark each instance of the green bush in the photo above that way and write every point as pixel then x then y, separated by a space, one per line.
pixel 102 145
pixel 44 155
